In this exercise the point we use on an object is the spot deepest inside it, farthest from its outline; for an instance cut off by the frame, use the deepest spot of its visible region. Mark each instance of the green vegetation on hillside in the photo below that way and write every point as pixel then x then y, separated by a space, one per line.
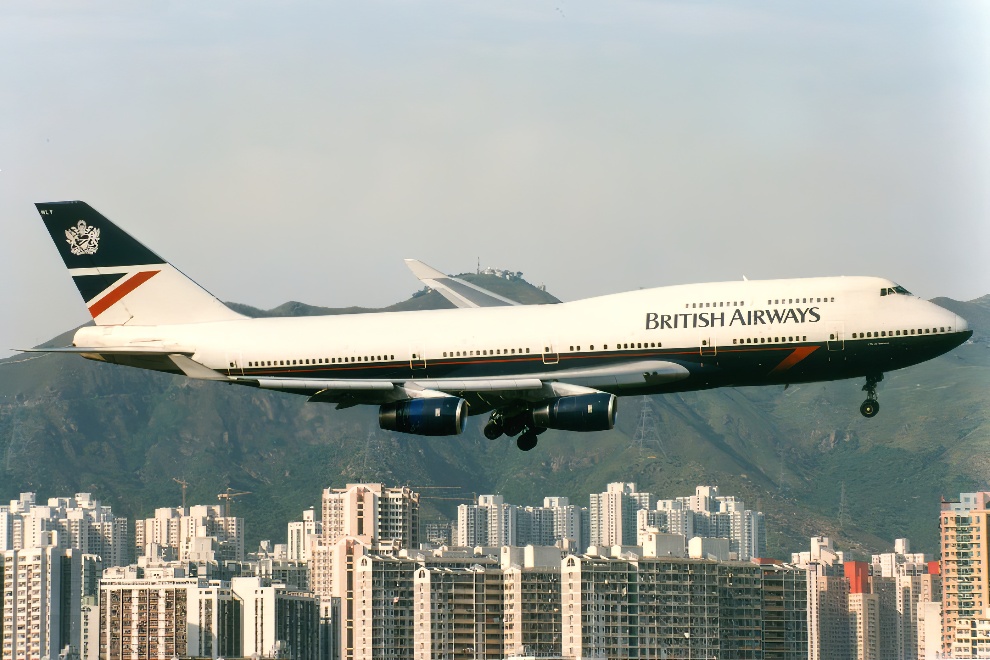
pixel 69 425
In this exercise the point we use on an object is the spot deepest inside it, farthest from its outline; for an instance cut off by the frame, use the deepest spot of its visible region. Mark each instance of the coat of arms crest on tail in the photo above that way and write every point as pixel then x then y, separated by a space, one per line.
pixel 83 238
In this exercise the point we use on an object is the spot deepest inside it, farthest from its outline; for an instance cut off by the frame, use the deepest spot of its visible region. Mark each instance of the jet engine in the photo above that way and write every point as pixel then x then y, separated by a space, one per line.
pixel 584 412
pixel 434 416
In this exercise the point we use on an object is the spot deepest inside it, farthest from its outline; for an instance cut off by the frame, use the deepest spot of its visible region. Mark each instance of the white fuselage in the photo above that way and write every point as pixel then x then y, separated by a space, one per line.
pixel 721 325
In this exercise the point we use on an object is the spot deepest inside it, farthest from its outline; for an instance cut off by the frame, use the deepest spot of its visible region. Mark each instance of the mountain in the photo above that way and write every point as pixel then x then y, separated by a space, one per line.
pixel 803 455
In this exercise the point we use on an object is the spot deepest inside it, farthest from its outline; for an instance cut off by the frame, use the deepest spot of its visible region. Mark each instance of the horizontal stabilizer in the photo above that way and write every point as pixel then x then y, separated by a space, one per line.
pixel 193 369
pixel 110 350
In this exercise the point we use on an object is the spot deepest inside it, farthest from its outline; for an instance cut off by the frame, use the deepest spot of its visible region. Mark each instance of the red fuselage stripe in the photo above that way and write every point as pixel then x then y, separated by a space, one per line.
pixel 799 354
pixel 128 285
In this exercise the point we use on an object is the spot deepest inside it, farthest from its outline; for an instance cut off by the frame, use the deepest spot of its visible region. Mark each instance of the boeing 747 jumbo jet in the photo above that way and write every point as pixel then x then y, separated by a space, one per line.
pixel 532 367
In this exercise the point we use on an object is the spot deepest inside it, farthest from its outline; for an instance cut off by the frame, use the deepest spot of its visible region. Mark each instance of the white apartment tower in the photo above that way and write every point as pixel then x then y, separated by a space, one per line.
pixel 42 600
pixel 373 513
pixel 178 529
pixel 82 523
pixel 965 527
pixel 708 514
pixel 302 534
pixel 491 522
pixel 613 514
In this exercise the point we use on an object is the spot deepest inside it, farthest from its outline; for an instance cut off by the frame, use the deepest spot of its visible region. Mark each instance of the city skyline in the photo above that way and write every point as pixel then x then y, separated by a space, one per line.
pixel 368 591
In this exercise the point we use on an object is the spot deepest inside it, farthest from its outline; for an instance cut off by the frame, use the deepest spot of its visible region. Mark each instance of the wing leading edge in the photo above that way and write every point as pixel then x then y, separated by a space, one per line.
pixel 457 291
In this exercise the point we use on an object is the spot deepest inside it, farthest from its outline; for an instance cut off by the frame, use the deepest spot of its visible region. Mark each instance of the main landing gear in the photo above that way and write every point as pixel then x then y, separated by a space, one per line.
pixel 871 406
pixel 499 425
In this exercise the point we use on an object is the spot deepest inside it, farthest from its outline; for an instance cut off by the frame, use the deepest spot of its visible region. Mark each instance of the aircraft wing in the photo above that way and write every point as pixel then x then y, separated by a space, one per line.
pixel 457 291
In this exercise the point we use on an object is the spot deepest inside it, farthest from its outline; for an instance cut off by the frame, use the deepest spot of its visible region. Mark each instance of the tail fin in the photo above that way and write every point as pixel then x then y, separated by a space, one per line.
pixel 120 280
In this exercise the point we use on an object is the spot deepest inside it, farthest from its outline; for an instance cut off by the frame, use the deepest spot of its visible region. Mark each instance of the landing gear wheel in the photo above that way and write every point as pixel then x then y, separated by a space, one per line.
pixel 514 426
pixel 870 408
pixel 493 430
pixel 526 441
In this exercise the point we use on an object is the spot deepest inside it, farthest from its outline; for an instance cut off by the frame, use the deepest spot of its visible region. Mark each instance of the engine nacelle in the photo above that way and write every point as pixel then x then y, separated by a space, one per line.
pixel 437 416
pixel 584 412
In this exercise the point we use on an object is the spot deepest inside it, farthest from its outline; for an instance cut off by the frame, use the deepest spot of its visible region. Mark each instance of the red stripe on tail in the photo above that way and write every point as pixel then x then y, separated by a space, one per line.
pixel 128 285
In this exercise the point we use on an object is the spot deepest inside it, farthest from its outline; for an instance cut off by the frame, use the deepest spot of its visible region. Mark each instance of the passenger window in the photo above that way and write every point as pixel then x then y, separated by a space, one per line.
pixel 734 341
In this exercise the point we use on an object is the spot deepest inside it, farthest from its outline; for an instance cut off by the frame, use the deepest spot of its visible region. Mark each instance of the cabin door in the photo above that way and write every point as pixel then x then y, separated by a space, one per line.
pixel 550 355
pixel 417 359
pixel 836 336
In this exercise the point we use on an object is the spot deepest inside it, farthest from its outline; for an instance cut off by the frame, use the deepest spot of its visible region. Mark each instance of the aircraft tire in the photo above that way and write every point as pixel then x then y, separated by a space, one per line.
pixel 870 408
pixel 493 430
pixel 526 441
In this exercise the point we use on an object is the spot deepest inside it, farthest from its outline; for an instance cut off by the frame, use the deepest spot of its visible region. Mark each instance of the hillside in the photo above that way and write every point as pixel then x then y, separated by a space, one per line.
pixel 69 425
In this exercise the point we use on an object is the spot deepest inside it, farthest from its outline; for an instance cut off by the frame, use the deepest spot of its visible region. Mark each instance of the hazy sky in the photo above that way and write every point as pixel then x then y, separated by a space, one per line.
pixel 282 151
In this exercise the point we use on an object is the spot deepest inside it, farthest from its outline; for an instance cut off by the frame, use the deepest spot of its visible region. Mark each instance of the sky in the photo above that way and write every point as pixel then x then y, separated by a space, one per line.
pixel 299 150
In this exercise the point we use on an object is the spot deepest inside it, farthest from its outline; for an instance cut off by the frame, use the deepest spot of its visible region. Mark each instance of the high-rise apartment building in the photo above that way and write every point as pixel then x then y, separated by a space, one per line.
pixel 82 523
pixel 965 528
pixel 532 612
pixel 613 514
pixel 163 613
pixel 371 512
pixel 457 613
pixel 183 533
pixel 302 534
pixel 708 514
pixel 637 606
pixel 41 592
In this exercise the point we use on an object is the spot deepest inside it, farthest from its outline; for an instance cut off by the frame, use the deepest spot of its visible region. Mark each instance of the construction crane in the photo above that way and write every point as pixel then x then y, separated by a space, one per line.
pixel 227 496
pixel 184 484
pixel 443 497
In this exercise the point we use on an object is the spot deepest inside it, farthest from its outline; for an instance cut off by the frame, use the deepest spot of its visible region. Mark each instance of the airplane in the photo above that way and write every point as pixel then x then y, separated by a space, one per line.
pixel 530 367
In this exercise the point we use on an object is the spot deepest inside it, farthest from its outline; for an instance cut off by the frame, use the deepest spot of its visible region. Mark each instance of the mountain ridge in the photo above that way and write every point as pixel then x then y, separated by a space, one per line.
pixel 69 425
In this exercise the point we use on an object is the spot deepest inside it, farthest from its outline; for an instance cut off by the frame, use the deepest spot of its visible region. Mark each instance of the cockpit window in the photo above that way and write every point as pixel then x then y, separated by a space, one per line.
pixel 893 290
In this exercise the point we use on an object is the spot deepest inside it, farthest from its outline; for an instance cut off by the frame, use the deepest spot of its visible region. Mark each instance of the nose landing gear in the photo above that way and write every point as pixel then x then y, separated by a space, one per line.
pixel 871 406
